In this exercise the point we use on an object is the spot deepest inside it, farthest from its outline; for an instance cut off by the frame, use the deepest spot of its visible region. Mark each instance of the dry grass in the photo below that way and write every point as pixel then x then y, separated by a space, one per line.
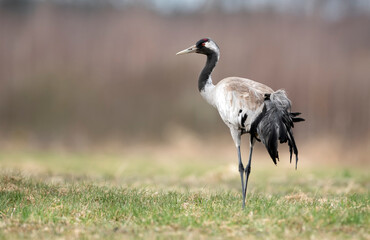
pixel 177 192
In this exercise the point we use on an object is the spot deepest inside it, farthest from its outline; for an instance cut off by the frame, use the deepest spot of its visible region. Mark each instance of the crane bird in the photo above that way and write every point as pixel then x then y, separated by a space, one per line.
pixel 247 106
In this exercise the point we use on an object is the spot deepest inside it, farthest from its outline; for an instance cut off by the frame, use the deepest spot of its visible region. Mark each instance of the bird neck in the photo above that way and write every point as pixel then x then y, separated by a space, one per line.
pixel 205 75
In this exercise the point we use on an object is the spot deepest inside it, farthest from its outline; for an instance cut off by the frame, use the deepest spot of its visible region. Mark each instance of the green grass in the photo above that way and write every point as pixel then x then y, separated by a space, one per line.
pixel 154 196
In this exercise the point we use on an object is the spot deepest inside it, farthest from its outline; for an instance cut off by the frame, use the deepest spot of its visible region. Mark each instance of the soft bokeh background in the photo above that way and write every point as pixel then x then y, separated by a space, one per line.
pixel 86 75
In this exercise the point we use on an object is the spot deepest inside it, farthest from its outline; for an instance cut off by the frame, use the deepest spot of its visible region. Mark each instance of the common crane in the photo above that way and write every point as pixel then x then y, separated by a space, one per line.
pixel 247 106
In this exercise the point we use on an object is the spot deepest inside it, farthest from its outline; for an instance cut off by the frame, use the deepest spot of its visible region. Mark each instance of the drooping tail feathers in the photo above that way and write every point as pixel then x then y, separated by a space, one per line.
pixel 275 124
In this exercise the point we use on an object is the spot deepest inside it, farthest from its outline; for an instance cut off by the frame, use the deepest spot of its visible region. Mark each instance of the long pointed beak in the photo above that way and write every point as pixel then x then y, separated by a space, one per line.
pixel 191 49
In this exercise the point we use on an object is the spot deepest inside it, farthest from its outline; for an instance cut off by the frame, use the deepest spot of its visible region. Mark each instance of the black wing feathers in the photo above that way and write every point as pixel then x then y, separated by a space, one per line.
pixel 275 123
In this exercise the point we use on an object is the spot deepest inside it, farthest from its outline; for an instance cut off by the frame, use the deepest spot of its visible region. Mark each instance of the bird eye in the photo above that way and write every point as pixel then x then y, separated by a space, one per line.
pixel 203 44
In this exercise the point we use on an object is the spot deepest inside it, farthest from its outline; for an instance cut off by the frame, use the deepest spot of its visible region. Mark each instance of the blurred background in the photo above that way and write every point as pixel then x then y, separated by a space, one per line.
pixel 87 74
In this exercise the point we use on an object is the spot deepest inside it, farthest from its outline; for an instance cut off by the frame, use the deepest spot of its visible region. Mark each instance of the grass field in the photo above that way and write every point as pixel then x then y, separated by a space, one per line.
pixel 156 194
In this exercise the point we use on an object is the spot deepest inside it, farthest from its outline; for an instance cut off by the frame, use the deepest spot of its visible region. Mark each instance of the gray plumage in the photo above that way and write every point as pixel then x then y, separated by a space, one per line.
pixel 247 106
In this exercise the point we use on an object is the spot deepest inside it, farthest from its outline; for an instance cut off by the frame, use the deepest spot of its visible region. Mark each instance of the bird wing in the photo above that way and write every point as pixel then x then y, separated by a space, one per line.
pixel 239 100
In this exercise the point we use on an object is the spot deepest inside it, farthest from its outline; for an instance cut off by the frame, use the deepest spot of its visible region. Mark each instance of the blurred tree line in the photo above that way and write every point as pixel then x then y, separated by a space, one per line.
pixel 75 69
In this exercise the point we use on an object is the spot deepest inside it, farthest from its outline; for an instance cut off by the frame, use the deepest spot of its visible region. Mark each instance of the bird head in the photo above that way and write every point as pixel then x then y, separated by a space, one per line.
pixel 204 46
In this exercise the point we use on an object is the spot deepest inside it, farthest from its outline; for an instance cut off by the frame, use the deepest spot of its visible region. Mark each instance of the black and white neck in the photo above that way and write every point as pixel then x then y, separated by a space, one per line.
pixel 205 84
pixel 205 75
pixel 209 48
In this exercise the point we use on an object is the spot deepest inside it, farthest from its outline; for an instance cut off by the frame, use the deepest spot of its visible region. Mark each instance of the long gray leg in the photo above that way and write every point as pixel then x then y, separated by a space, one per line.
pixel 241 171
pixel 248 168
pixel 236 135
